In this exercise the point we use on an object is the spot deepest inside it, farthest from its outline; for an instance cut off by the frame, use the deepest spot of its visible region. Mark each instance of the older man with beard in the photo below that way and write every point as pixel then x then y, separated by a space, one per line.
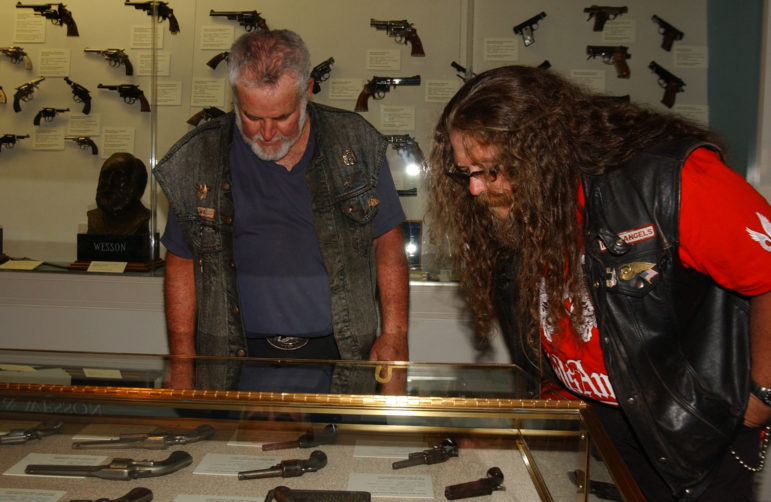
pixel 624 259
pixel 283 234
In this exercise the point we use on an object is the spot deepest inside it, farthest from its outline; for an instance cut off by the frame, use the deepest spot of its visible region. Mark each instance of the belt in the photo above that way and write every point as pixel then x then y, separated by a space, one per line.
pixel 287 342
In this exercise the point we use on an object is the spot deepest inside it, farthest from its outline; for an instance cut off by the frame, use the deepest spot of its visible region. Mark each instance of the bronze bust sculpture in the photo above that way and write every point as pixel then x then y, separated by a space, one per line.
pixel 122 182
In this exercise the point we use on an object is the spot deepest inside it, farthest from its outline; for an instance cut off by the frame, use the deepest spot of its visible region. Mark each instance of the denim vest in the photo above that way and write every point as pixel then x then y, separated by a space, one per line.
pixel 675 343
pixel 342 176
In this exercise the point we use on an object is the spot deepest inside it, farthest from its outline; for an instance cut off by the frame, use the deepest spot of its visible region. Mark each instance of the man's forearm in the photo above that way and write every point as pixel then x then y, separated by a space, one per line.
pixel 180 304
pixel 393 286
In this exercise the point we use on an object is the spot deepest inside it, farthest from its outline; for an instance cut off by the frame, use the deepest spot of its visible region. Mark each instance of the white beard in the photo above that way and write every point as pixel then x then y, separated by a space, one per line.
pixel 286 142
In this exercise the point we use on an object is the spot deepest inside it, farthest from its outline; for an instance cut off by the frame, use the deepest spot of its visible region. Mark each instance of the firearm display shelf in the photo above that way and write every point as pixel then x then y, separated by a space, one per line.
pixel 457 422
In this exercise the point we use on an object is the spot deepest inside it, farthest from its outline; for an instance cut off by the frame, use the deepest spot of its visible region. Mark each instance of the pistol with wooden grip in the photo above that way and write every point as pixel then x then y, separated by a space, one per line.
pixel 288 468
pixel 434 455
pixel 482 486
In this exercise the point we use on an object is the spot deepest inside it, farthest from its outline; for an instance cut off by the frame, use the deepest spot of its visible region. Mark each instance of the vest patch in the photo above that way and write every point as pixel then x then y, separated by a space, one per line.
pixel 206 212
pixel 635 235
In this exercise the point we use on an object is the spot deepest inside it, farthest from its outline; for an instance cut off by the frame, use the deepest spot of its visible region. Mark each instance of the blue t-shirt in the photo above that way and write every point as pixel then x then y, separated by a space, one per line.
pixel 282 280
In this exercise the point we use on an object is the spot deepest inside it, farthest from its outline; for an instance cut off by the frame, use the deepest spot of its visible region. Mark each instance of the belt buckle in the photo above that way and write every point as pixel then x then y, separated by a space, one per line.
pixel 287 342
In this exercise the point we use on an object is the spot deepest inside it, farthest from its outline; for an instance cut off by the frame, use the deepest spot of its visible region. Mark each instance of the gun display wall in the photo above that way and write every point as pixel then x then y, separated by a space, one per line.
pixel 83 80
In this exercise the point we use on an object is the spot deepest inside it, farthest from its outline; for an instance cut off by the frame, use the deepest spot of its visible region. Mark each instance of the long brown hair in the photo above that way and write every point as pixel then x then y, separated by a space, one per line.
pixel 547 132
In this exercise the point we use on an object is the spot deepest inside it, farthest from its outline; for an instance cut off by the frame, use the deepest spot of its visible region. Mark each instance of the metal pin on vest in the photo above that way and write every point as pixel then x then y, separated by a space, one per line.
pixel 349 158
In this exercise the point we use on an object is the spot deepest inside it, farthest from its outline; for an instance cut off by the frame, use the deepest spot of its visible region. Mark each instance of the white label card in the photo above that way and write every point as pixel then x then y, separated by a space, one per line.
pixel 400 486
pixel 382 59
pixel 21 264
pixel 501 49
pixel 230 465
pixel 29 495
pixel 109 267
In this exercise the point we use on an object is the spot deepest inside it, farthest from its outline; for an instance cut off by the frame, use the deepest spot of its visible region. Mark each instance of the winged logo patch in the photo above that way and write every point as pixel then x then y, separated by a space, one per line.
pixel 763 238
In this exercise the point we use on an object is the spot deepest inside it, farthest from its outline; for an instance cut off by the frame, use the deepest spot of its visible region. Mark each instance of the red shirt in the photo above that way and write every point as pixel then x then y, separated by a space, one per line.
pixel 725 232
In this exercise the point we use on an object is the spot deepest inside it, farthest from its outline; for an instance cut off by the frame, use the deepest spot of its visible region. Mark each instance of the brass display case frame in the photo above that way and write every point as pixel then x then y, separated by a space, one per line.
pixel 524 425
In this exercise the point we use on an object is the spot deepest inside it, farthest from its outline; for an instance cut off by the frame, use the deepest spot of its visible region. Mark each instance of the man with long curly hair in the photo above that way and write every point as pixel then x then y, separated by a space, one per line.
pixel 621 256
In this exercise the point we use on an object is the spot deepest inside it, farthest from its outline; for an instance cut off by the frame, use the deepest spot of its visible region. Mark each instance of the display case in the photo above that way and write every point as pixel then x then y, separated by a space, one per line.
pixel 448 425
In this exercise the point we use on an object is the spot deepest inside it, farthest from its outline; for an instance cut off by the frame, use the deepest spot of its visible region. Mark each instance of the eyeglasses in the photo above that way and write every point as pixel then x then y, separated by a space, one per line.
pixel 463 176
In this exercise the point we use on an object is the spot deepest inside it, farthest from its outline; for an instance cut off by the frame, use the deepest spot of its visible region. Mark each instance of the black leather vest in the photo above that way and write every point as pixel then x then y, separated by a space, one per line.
pixel 675 343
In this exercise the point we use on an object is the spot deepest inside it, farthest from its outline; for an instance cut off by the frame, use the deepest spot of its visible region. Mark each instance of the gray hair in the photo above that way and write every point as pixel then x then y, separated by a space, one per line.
pixel 259 58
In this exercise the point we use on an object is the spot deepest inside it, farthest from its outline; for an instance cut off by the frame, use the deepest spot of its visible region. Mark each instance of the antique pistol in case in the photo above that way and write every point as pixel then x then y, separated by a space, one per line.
pixel 118 468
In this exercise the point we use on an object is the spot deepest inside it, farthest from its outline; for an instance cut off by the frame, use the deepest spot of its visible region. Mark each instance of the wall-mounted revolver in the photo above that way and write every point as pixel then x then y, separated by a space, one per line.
pixel 215 61
pixel 204 114
pixel 463 72
pixel 84 142
pixel 320 73
pixel 58 15
pixel 377 87
pixel 130 94
pixel 403 31
pixel 161 9
pixel 24 92
pixel 115 57
pixel 48 114
pixel 9 140
pixel 17 55
pixel 408 149
pixel 80 95
pixel 249 19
